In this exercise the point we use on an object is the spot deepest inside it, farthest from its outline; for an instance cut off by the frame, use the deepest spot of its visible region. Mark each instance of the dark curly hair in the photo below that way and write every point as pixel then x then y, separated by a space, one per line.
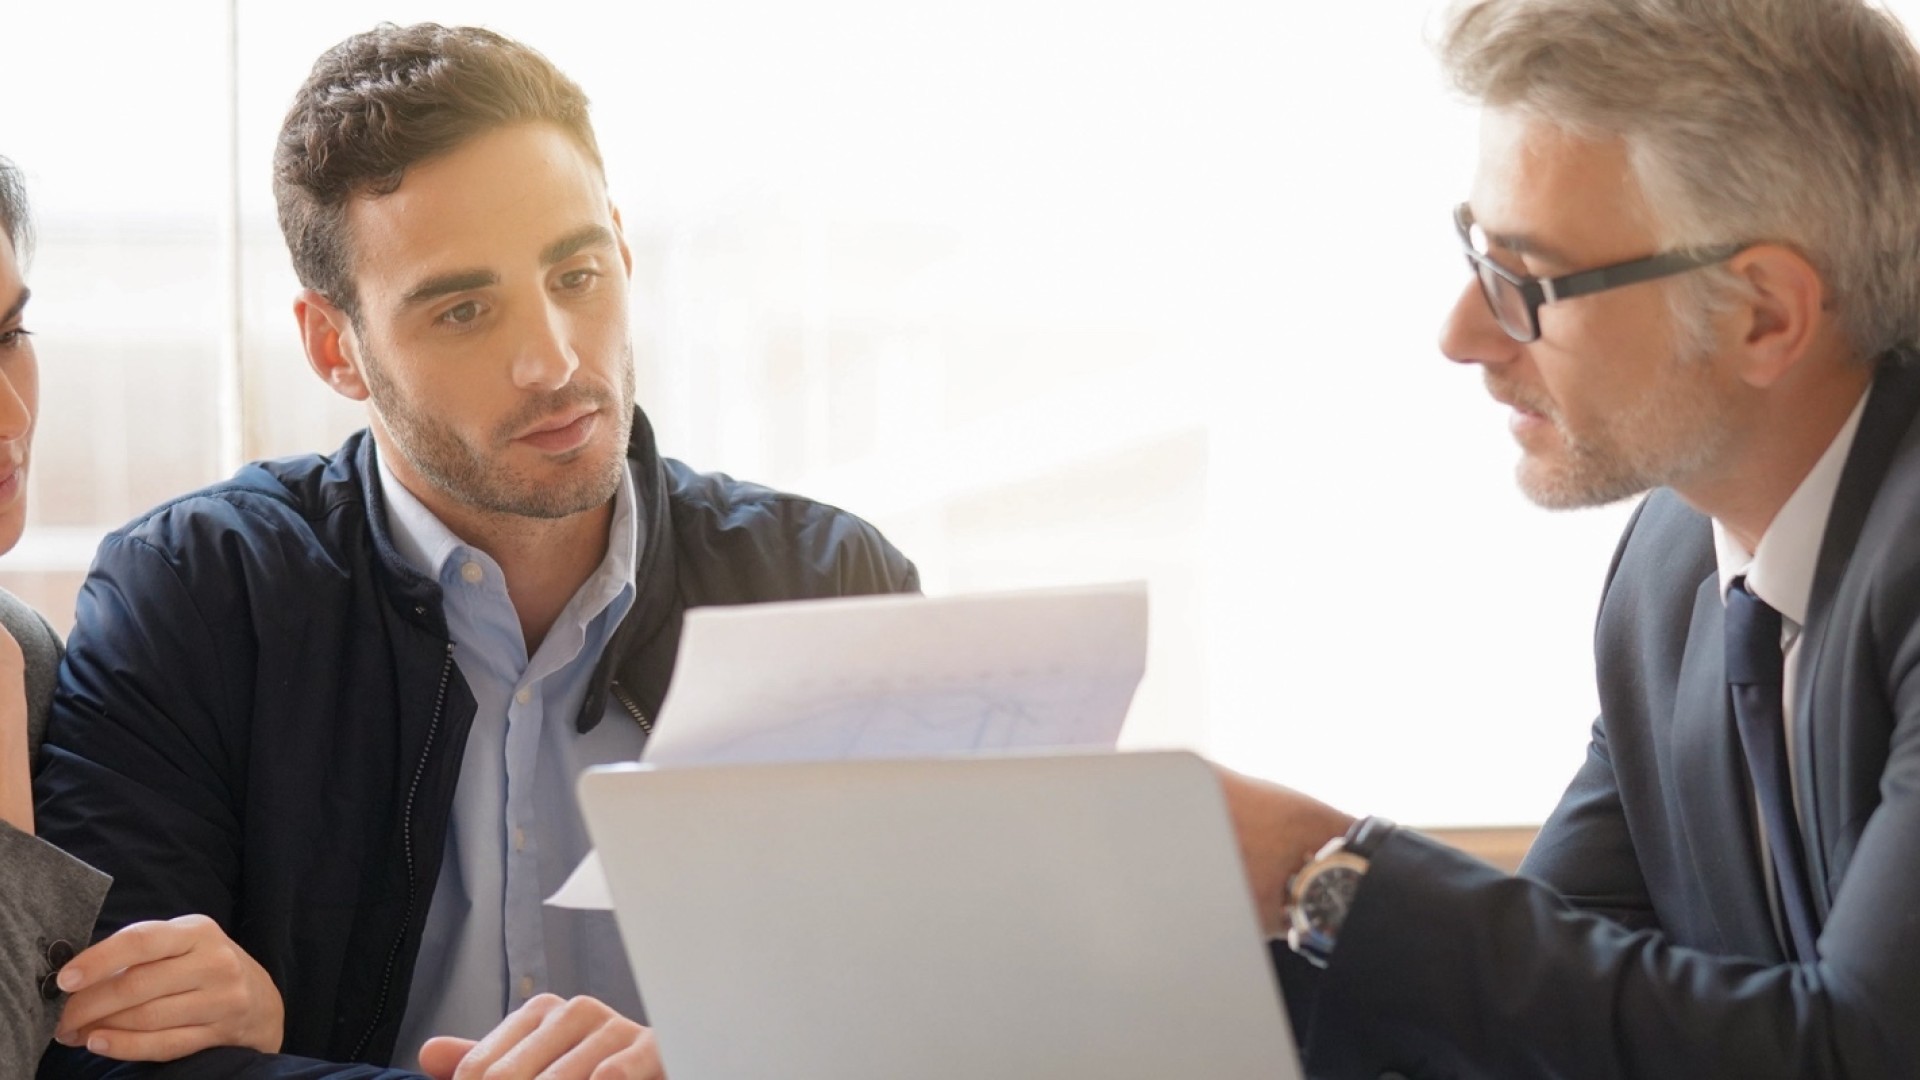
pixel 385 100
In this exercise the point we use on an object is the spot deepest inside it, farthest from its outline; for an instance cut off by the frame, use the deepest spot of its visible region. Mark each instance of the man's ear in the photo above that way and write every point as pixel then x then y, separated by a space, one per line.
pixel 1783 314
pixel 332 349
pixel 620 234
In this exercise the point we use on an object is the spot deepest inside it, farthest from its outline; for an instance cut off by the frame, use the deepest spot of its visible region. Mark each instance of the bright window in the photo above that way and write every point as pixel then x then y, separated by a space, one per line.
pixel 1051 291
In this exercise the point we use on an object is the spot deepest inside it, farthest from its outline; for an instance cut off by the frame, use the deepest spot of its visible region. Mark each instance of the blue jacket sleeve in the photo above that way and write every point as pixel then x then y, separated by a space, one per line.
pixel 224 1063
pixel 137 775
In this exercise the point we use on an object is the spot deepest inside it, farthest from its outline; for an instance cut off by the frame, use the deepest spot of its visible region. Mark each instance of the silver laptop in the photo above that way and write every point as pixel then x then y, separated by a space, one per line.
pixel 951 919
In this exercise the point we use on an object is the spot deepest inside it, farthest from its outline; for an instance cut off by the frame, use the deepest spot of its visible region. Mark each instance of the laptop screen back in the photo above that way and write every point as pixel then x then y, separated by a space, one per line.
pixel 1036 916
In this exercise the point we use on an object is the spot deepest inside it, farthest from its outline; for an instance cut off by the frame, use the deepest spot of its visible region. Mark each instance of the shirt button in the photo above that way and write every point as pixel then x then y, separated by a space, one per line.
pixel 519 839
pixel 525 695
pixel 473 573
pixel 526 986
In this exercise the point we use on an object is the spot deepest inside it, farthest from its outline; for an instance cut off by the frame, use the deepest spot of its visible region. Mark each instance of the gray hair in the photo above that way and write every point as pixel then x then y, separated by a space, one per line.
pixel 1786 121
pixel 13 209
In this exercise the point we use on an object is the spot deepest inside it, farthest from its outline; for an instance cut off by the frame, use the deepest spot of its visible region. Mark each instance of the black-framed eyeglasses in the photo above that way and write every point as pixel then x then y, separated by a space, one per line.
pixel 1516 298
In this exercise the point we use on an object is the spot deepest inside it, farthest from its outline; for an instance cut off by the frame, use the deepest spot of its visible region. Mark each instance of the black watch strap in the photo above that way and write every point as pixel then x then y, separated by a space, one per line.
pixel 1367 834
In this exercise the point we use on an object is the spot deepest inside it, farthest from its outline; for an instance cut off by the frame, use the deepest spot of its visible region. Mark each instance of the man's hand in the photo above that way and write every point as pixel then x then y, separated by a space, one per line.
pixel 574 1039
pixel 16 772
pixel 1279 830
pixel 157 991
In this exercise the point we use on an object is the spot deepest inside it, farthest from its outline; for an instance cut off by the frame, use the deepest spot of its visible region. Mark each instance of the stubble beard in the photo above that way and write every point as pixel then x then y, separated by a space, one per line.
pixel 1676 430
pixel 473 475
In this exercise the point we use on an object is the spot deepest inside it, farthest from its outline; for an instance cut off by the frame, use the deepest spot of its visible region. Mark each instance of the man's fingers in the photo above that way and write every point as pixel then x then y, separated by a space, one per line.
pixel 151 1045
pixel 441 1055
pixel 564 1027
pixel 123 992
pixel 208 963
pixel 191 1008
pixel 518 1025
pixel 640 1061
pixel 550 1038
pixel 183 975
pixel 139 943
pixel 612 1038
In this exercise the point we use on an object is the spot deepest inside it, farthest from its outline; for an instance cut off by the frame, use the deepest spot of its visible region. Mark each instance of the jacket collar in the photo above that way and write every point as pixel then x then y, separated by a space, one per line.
pixel 1885 426
pixel 420 600
pixel 1891 407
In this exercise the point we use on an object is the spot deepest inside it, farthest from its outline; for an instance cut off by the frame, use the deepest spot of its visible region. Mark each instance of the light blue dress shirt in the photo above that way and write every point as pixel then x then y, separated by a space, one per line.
pixel 516 830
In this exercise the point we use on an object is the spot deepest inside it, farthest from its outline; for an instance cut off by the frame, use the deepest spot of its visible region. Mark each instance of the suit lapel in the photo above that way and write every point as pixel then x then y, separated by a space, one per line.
pixel 1710 784
pixel 1890 410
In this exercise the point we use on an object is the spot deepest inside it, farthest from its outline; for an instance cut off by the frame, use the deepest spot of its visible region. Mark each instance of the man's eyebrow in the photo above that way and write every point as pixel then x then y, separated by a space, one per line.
pixel 446 284
pixel 19 305
pixel 1527 246
pixel 461 280
pixel 575 242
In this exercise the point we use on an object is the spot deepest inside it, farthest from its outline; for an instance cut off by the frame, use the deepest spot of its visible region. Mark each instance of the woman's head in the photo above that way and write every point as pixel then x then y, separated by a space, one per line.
pixel 19 370
pixel 14 220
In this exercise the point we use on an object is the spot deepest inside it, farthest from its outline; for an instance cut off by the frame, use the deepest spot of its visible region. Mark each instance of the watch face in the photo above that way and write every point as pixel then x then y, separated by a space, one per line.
pixel 1327 897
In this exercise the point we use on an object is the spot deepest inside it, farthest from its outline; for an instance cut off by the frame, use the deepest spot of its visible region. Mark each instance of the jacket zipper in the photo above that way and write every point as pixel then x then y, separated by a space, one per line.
pixel 406 836
pixel 633 708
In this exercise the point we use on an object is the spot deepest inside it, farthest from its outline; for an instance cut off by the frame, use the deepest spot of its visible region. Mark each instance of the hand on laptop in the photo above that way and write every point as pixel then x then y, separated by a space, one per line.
pixel 156 991
pixel 550 1036
pixel 1279 830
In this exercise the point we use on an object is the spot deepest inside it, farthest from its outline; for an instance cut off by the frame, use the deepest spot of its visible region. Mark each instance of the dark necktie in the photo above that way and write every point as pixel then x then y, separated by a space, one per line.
pixel 1755 674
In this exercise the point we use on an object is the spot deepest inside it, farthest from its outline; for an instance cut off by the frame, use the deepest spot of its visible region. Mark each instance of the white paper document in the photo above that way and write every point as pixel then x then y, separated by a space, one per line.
pixel 586 888
pixel 896 677
pixel 903 676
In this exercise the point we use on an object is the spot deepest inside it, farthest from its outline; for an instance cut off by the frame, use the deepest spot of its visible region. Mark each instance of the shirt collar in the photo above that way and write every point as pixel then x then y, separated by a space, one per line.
pixel 427 545
pixel 420 537
pixel 615 575
pixel 1781 570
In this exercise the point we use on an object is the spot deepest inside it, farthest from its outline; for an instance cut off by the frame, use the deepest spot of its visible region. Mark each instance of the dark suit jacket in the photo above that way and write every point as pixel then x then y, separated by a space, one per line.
pixel 1638 942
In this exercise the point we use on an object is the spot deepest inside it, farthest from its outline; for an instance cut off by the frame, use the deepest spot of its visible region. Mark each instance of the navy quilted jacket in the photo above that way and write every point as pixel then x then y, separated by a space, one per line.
pixel 259 718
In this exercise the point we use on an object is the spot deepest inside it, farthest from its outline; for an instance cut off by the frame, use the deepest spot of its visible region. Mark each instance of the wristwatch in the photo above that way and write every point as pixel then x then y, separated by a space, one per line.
pixel 1321 893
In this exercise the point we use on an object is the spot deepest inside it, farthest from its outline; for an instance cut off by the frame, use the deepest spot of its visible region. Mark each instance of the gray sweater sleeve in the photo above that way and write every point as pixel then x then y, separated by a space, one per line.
pixel 40 648
pixel 46 896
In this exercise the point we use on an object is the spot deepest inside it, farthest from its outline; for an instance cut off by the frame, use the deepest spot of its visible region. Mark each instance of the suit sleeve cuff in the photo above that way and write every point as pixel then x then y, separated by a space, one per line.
pixel 46 897
pixel 1374 998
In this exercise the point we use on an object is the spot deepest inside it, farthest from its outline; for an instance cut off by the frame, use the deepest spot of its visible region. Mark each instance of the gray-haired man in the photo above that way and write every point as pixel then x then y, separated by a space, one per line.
pixel 1692 239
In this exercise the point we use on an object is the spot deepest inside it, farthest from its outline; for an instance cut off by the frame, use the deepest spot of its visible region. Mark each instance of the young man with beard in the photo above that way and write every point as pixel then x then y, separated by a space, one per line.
pixel 1695 271
pixel 339 703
